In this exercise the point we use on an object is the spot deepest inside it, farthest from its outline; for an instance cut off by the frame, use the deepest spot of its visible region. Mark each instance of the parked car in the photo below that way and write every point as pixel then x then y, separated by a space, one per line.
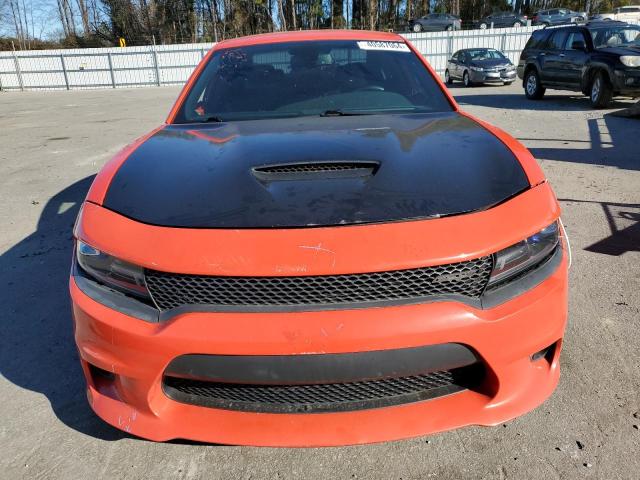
pixel 502 19
pixel 480 65
pixel 318 248
pixel 630 13
pixel 436 22
pixel 599 59
pixel 558 16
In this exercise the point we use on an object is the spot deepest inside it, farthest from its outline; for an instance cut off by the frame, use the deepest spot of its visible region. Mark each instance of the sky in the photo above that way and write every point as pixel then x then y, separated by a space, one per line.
pixel 43 12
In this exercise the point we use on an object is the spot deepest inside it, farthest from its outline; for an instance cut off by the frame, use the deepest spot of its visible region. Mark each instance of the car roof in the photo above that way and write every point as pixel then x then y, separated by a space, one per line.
pixel 308 35
pixel 604 23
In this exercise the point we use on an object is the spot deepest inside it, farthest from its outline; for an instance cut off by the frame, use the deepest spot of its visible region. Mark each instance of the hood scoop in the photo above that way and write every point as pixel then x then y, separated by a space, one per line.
pixel 315 170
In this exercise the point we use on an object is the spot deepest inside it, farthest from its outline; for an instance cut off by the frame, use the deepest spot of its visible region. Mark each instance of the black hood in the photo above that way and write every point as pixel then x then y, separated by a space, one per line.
pixel 620 50
pixel 346 170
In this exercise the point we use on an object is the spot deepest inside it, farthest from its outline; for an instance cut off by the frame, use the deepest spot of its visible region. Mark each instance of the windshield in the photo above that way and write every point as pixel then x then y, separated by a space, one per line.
pixel 312 78
pixel 483 54
pixel 616 36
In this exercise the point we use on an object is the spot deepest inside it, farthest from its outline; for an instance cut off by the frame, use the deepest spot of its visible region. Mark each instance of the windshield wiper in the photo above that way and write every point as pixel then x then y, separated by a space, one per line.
pixel 211 118
pixel 340 113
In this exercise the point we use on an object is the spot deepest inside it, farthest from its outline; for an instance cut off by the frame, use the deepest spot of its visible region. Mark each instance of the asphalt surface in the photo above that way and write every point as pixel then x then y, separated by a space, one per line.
pixel 52 143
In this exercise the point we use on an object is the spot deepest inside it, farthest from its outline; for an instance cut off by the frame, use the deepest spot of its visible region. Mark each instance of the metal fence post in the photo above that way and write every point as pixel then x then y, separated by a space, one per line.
pixel 201 53
pixel 18 71
pixel 155 61
pixel 113 78
pixel 450 45
pixel 64 71
pixel 155 65
pixel 503 43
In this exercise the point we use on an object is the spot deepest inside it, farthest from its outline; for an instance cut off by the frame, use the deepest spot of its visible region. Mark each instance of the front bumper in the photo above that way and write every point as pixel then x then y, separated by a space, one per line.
pixel 137 354
pixel 627 82
pixel 492 77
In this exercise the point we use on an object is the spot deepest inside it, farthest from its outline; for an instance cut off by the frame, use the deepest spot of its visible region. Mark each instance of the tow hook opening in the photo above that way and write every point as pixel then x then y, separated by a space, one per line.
pixel 548 353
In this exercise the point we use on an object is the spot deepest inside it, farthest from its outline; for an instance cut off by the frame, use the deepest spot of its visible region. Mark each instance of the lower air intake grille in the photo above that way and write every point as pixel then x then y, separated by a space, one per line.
pixel 468 279
pixel 332 397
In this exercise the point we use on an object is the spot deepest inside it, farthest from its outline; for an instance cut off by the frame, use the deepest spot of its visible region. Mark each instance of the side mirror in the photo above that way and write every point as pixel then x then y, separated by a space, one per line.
pixel 579 45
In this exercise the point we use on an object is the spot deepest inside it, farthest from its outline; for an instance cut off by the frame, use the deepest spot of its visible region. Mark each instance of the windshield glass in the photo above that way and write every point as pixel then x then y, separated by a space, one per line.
pixel 312 78
pixel 484 54
pixel 616 36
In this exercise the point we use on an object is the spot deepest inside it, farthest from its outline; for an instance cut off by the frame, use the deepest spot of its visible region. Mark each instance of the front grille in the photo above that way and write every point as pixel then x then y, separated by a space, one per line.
pixel 331 397
pixel 468 279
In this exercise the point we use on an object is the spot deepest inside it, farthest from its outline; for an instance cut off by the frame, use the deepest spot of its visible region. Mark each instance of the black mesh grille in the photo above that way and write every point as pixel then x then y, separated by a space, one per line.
pixel 315 167
pixel 171 290
pixel 323 397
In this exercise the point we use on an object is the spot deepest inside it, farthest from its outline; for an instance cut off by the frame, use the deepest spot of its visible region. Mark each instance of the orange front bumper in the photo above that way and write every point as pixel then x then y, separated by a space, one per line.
pixel 137 353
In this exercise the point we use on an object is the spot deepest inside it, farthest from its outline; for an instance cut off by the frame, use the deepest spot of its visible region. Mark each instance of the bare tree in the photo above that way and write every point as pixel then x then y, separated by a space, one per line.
pixel 283 20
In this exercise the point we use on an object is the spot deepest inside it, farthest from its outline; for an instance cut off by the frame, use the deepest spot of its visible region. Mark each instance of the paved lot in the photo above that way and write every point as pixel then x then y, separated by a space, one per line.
pixel 52 143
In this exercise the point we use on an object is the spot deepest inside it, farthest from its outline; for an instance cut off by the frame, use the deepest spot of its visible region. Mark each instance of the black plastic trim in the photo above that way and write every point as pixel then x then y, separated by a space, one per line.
pixel 314 408
pixel 321 368
pixel 213 308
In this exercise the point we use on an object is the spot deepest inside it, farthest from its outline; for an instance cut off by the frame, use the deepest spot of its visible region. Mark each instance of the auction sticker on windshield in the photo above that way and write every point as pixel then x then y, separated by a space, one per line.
pixel 388 46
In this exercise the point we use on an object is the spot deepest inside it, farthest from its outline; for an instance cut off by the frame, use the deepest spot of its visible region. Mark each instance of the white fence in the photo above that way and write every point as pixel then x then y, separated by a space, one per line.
pixel 171 64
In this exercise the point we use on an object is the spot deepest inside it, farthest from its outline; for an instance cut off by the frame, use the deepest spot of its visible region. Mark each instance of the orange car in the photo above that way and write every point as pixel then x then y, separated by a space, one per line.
pixel 318 248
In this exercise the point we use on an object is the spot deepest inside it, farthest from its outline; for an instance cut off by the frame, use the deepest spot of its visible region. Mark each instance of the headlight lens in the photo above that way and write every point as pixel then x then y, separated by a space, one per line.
pixel 477 69
pixel 111 271
pixel 630 60
pixel 530 251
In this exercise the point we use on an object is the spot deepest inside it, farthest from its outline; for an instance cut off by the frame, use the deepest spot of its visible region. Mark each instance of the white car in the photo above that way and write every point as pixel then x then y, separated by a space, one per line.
pixel 630 13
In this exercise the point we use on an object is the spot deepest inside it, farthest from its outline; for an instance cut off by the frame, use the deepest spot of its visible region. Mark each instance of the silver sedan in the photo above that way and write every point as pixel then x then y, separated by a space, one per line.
pixel 480 65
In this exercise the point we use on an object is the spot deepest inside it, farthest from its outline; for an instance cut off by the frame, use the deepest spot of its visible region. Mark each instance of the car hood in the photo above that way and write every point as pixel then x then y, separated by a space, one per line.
pixel 619 51
pixel 373 168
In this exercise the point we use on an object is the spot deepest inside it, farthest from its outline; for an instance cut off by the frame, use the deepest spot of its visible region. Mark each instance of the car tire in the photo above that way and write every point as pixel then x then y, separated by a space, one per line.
pixel 546 24
pixel 483 26
pixel 417 28
pixel 448 28
pixel 466 79
pixel 533 88
pixel 447 77
pixel 517 24
pixel 601 91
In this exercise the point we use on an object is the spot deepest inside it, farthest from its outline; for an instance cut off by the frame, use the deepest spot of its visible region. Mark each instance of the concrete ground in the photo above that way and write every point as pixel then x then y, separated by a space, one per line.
pixel 51 144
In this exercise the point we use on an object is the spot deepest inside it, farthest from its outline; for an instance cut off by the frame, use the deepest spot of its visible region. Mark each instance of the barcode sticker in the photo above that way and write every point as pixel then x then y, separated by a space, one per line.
pixel 386 46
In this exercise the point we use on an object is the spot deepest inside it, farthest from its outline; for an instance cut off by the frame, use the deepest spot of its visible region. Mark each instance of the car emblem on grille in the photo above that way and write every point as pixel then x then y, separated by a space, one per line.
pixel 456 277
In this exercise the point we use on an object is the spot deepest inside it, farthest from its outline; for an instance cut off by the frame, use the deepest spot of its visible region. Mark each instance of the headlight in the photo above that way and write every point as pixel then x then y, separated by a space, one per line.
pixel 527 253
pixel 477 69
pixel 111 271
pixel 630 60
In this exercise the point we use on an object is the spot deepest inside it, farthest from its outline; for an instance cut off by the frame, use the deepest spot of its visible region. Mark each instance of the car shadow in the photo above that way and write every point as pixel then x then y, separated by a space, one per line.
pixel 458 85
pixel 551 102
pixel 38 350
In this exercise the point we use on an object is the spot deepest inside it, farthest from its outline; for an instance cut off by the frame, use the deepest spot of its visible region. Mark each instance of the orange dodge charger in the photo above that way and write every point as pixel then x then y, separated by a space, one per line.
pixel 318 248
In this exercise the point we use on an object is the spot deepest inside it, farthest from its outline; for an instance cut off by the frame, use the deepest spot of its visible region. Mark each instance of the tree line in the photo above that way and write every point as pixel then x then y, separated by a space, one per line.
pixel 85 23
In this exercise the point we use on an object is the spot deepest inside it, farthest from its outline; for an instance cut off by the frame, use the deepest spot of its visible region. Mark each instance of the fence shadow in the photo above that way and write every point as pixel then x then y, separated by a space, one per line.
pixel 38 351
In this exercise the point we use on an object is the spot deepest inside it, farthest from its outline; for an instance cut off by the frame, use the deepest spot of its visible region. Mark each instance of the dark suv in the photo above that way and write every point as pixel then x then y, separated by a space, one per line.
pixel 600 59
